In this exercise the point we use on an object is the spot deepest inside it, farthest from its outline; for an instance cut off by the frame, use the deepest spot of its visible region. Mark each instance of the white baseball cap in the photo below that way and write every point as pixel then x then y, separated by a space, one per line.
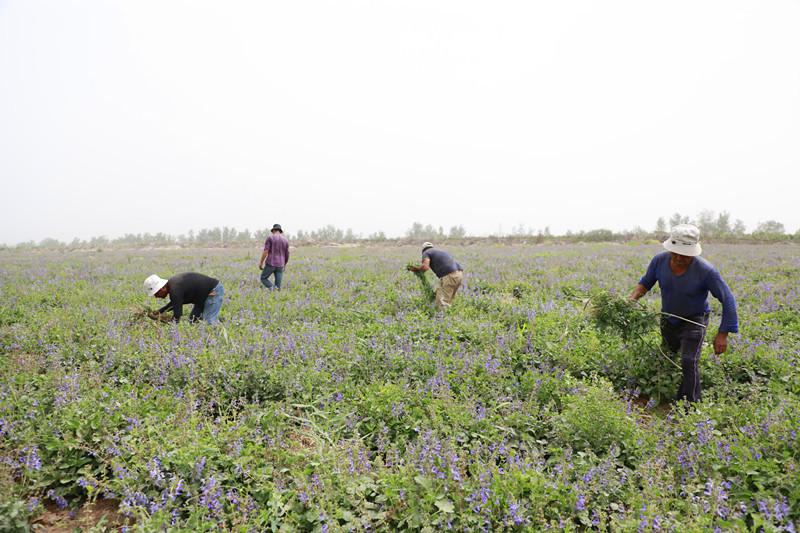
pixel 684 239
pixel 153 284
pixel 426 245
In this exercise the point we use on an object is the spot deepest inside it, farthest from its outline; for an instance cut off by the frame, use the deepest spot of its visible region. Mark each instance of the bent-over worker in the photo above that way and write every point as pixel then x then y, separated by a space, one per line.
pixel 206 293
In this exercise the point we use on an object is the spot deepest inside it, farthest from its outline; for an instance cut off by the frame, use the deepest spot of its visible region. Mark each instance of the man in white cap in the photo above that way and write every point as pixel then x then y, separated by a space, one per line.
pixel 206 293
pixel 449 272
pixel 685 280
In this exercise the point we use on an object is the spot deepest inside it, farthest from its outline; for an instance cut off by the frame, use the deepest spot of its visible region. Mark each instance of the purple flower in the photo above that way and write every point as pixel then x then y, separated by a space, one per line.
pixel 210 494
pixel 60 500
pixel 199 466
pixel 30 459
pixel 154 469
pixel 513 512
pixel 580 505
pixel 33 503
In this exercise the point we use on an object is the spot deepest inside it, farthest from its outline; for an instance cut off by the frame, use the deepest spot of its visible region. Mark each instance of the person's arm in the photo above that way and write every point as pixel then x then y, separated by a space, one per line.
pixel 424 266
pixel 646 283
pixel 176 301
pixel 264 254
pixel 166 307
pixel 638 291
pixel 287 254
pixel 730 320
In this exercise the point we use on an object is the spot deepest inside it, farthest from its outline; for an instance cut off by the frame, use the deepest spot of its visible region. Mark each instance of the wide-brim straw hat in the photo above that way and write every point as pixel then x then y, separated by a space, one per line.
pixel 684 239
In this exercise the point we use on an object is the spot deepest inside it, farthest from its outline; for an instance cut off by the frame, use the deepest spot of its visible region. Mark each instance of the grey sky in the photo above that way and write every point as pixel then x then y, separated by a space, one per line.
pixel 147 116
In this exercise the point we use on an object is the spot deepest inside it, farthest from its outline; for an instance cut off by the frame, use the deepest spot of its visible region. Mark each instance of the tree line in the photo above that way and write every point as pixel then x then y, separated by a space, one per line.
pixel 712 226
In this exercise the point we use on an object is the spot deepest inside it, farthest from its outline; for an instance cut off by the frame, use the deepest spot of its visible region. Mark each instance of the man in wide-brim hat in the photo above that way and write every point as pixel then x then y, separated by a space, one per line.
pixel 274 258
pixel 685 280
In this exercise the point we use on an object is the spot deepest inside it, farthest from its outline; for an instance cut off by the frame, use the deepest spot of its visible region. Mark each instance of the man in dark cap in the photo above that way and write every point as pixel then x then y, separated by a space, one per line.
pixel 274 258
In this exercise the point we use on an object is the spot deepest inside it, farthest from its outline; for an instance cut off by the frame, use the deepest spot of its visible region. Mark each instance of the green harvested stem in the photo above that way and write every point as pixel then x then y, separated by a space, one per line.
pixel 630 320
pixel 618 314
pixel 424 283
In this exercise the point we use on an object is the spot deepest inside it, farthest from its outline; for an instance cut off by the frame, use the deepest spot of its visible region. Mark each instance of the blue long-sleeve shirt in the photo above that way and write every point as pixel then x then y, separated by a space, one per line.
pixel 687 295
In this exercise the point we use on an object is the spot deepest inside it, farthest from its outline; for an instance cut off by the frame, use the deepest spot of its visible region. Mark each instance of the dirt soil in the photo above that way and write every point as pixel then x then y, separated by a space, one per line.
pixel 103 513
pixel 662 409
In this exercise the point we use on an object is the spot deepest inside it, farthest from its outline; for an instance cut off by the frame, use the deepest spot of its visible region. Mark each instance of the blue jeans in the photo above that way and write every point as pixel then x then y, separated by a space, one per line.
pixel 213 305
pixel 267 272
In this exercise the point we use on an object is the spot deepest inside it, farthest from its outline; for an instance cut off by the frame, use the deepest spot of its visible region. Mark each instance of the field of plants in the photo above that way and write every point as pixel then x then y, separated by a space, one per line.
pixel 344 403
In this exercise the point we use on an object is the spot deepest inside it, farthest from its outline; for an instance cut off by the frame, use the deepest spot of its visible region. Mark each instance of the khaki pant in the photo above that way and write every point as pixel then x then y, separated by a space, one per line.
pixel 446 291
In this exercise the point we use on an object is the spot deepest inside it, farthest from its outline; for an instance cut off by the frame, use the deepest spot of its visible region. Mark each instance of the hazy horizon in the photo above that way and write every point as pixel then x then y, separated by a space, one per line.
pixel 124 118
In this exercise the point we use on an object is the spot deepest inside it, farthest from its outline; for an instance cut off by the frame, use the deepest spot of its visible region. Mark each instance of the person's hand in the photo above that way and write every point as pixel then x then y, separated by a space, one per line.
pixel 159 317
pixel 721 342
pixel 411 268
pixel 261 266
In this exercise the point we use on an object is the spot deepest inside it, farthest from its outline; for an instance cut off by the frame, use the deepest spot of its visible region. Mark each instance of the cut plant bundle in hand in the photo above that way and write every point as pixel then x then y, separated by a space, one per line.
pixel 427 290
pixel 614 313
pixel 611 313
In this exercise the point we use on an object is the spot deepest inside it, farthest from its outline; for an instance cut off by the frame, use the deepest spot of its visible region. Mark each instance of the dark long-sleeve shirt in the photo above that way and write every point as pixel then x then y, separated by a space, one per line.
pixel 188 288
pixel 687 295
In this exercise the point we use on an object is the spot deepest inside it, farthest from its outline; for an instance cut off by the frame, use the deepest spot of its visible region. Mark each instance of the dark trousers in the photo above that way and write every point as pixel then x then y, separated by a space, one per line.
pixel 686 339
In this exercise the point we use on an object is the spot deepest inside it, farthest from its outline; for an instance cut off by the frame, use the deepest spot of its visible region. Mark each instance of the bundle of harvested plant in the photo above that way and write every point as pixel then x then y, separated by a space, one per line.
pixel 423 281
pixel 611 312
pixel 142 311
pixel 631 320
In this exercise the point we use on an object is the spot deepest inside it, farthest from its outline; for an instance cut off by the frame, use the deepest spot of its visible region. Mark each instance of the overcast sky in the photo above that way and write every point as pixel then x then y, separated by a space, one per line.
pixel 164 116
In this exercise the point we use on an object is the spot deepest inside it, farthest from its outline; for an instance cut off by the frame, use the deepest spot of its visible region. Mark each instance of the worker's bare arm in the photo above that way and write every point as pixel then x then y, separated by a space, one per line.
pixel 426 265
pixel 638 291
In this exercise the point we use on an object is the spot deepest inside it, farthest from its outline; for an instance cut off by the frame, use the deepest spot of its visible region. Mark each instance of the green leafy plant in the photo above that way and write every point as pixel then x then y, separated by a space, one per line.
pixel 427 290
pixel 614 313
pixel 14 516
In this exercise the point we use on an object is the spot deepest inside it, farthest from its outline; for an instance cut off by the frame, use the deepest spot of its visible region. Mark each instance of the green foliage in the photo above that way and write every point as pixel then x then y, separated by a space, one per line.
pixel 597 420
pixel 14 517
pixel 427 290
pixel 618 315
pixel 340 403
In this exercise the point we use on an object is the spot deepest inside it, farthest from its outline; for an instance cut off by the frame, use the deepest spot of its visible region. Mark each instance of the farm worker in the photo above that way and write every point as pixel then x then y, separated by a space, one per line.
pixel 449 272
pixel 685 280
pixel 206 293
pixel 274 258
